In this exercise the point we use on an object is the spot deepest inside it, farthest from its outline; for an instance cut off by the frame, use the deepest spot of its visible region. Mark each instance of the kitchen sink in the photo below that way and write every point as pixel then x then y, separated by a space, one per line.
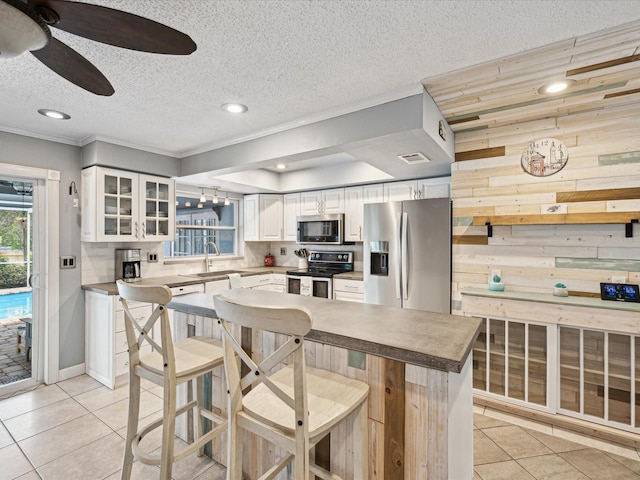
pixel 211 274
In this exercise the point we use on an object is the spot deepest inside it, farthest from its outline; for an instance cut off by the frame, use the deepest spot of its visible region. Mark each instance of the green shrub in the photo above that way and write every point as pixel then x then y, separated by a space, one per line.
pixel 13 276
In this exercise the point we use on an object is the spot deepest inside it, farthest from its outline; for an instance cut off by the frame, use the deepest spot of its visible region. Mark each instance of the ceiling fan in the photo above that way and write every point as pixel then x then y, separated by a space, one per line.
pixel 24 26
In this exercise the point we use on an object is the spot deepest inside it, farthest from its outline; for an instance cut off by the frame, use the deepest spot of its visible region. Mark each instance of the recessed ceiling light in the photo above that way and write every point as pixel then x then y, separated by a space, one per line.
pixel 556 87
pixel 281 166
pixel 234 107
pixel 54 114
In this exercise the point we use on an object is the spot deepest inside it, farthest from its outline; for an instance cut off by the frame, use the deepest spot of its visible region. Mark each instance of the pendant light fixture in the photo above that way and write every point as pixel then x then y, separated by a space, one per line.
pixel 203 199
pixel 215 195
pixel 226 200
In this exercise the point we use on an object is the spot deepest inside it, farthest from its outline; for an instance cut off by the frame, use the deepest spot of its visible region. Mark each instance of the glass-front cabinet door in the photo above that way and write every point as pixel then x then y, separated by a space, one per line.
pixel 511 359
pixel 117 206
pixel 120 206
pixel 157 221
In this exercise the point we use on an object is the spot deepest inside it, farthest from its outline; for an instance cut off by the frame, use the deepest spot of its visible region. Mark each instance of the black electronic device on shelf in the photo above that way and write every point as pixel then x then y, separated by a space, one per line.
pixel 621 292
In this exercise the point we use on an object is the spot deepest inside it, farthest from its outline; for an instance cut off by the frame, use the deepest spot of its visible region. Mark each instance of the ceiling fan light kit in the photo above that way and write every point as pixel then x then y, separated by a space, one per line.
pixel 24 26
pixel 21 29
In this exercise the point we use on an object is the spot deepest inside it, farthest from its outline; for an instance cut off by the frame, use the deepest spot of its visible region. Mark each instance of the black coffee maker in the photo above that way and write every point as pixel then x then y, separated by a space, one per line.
pixel 128 264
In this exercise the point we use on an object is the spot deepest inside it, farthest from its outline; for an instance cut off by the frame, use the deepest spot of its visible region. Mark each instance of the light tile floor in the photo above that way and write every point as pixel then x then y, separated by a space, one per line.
pixel 75 430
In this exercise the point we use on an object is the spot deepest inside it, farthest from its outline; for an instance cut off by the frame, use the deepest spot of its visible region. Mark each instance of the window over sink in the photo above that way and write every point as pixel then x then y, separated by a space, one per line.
pixel 198 223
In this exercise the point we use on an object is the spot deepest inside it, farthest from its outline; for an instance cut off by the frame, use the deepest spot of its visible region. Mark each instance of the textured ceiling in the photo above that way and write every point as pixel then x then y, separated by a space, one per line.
pixel 290 61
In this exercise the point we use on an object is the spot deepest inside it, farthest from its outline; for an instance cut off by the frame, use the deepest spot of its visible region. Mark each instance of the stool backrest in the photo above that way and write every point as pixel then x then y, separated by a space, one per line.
pixel 137 332
pixel 289 320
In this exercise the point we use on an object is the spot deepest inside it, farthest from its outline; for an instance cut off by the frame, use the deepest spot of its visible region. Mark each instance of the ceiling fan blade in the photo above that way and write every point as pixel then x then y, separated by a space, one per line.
pixel 118 28
pixel 72 66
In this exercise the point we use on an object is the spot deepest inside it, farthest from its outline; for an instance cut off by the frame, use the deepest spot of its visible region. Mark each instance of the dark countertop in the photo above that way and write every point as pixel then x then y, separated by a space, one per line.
pixel 110 288
pixel 431 340
pixel 350 276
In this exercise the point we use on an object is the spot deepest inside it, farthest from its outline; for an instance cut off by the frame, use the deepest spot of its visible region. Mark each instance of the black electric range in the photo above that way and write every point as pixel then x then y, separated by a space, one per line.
pixel 325 264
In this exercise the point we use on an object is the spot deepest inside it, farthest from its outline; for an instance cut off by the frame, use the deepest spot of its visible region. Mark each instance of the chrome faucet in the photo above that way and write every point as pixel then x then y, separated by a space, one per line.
pixel 206 253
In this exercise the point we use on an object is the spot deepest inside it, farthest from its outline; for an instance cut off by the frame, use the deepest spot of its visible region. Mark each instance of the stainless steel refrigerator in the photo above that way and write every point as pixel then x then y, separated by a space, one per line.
pixel 407 254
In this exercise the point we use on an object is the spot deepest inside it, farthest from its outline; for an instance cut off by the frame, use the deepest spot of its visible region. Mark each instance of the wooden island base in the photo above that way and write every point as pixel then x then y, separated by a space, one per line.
pixel 420 419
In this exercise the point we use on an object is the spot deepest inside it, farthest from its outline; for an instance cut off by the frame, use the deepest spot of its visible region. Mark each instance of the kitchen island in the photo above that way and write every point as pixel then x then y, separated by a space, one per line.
pixel 416 363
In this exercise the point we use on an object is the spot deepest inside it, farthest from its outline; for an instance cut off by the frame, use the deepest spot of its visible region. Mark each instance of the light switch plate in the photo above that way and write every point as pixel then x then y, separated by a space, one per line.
pixel 494 272
pixel 618 279
pixel 152 257
pixel 283 250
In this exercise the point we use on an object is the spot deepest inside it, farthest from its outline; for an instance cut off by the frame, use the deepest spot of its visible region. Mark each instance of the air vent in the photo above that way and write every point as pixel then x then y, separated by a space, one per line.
pixel 413 158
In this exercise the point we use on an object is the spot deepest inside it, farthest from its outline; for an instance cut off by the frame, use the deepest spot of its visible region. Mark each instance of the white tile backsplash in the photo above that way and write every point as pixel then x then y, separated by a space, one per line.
pixel 98 259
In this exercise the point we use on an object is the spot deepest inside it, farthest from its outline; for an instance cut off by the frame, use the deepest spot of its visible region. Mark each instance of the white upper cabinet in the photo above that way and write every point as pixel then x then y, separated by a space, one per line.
pixel 322 201
pixel 373 193
pixel 263 217
pixel 158 196
pixel 124 206
pixel 400 191
pixel 354 214
pixel 434 187
pixel 291 212
pixel 418 189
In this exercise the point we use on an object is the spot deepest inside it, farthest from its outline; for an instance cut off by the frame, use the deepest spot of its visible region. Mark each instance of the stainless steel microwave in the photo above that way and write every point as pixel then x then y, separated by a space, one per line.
pixel 321 229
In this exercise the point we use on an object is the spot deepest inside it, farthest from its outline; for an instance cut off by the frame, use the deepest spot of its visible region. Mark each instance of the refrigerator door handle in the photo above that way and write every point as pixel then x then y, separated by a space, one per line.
pixel 398 255
pixel 405 256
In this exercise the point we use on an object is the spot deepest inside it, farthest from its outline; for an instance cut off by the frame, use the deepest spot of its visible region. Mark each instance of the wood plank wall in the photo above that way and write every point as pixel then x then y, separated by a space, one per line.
pixel 604 156
pixel 496 109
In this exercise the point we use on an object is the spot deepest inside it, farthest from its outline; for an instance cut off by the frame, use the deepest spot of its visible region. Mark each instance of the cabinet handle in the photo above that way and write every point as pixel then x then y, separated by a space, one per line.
pixel 360 232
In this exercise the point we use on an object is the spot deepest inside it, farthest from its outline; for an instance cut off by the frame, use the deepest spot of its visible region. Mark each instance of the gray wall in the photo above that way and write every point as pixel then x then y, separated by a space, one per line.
pixel 27 151
pixel 69 160
pixel 125 158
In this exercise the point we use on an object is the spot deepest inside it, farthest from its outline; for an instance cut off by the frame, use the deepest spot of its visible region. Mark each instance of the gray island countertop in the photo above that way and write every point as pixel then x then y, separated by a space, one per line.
pixel 427 339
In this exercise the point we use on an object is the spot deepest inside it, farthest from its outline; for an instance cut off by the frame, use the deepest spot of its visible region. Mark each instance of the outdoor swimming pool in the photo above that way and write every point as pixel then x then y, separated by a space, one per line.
pixel 15 305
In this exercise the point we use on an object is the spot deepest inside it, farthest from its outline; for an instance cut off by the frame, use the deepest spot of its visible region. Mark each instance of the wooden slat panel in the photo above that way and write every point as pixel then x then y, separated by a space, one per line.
pixel 470 240
pixel 592 195
pixel 483 153
pixel 437 436
pixel 623 93
pixel 555 219
pixel 394 420
pixel 600 66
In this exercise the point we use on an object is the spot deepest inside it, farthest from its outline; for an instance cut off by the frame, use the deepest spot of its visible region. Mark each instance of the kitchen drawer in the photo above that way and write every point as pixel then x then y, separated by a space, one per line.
pixel 122 360
pixel 278 279
pixel 197 288
pixel 343 285
pixel 349 297
pixel 141 314
pixel 253 281
pixel 272 288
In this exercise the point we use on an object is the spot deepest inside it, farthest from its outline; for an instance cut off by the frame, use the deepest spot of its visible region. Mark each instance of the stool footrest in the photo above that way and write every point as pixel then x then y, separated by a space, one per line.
pixel 150 459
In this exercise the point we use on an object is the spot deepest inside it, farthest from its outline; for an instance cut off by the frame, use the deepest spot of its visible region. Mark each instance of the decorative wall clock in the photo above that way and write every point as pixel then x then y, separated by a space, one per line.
pixel 544 157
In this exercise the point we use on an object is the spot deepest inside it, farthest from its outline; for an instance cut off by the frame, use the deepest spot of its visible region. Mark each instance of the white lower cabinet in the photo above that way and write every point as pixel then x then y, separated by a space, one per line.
pixel 106 356
pixel 348 290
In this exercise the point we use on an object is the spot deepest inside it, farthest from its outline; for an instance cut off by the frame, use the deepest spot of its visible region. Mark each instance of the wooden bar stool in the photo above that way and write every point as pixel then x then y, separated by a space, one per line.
pixel 169 365
pixel 293 408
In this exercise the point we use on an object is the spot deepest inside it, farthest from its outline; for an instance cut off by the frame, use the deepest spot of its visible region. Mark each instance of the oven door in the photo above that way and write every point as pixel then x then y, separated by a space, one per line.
pixel 293 284
pixel 321 287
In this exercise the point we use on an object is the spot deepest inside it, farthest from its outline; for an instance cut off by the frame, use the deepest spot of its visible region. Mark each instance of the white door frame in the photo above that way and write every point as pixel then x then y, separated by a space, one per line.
pixel 46 352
